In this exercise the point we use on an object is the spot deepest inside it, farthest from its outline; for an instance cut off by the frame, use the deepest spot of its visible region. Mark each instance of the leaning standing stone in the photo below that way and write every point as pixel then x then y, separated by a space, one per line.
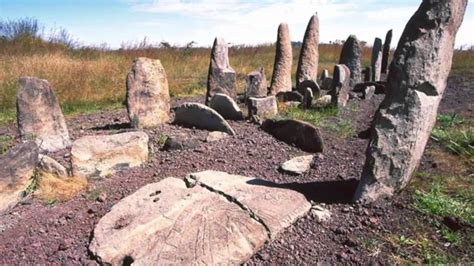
pixel 39 115
pixel 416 83
pixel 386 51
pixel 376 61
pixel 202 117
pixel 221 76
pixel 281 79
pixel 148 98
pixel 226 107
pixel 309 55
pixel 256 84
pixel 340 85
pixel 351 55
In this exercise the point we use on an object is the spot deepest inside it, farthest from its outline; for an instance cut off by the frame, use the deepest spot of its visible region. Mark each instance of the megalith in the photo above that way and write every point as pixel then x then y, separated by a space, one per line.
pixel 340 87
pixel 39 116
pixel 376 61
pixel 309 55
pixel 281 78
pixel 148 98
pixel 351 55
pixel 221 76
pixel 386 51
pixel 416 82
pixel 256 84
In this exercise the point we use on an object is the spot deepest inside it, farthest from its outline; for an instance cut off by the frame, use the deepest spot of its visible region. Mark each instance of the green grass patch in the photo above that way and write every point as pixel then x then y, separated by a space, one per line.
pixel 328 118
pixel 455 134
pixel 5 142
pixel 7 116
pixel 73 108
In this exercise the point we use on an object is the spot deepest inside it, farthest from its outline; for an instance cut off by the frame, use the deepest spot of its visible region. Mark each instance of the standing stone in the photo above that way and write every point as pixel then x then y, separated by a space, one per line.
pixel 340 86
pixel 309 55
pixel 416 83
pixel 221 76
pixel 308 98
pixel 324 75
pixel 281 79
pixel 226 107
pixel 368 74
pixel 148 98
pixel 376 62
pixel 39 115
pixel 312 85
pixel 16 169
pixel 351 55
pixel 386 51
pixel 262 107
pixel 257 84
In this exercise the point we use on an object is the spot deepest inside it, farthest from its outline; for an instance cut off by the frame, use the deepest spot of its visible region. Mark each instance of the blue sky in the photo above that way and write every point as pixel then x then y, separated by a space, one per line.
pixel 239 22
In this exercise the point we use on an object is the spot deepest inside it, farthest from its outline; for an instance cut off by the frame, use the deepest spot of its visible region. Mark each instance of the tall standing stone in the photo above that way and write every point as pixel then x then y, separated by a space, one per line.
pixel 376 62
pixel 351 55
pixel 281 79
pixel 340 87
pixel 386 51
pixel 256 84
pixel 416 83
pixel 324 75
pixel 221 77
pixel 148 98
pixel 39 115
pixel 309 55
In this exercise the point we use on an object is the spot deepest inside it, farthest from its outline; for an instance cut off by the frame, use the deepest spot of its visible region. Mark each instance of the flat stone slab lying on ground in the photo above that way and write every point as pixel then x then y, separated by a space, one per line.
pixel 220 219
pixel 16 169
pixel 102 155
pixel 298 165
pixel 202 117
pixel 226 107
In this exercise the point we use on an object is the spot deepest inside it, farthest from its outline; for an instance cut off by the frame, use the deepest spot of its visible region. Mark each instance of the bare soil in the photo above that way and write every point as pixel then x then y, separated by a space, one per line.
pixel 38 232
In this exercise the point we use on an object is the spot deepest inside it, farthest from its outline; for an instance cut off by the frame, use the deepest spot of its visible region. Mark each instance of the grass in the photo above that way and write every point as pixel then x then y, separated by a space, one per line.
pixel 455 134
pixel 328 118
pixel 52 189
pixel 5 142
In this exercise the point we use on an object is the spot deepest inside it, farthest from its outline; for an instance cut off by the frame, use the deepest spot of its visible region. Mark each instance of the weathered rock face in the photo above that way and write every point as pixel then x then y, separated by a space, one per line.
pixel 326 84
pixel 308 98
pixel 416 82
pixel 39 115
pixel 309 55
pixel 323 101
pixel 16 169
pixel 102 155
pixel 368 74
pixel 226 107
pixel 312 85
pixel 262 107
pixel 351 55
pixel 170 223
pixel 295 132
pixel 369 92
pixel 202 117
pixel 298 165
pixel 49 165
pixel 281 79
pixel 257 84
pixel 340 87
pixel 376 61
pixel 148 98
pixel 290 96
pixel 386 51
pixel 221 76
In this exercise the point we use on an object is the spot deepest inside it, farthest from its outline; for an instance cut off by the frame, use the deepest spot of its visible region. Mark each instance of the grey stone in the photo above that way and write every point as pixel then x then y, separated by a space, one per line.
pixel 216 136
pixel 295 132
pixel 323 101
pixel 202 117
pixel 326 84
pixel 17 167
pixel 368 74
pixel 351 56
pixel 257 84
pixel 290 96
pixel 322 214
pixel 386 51
pixel 262 107
pixel 416 82
pixel 312 85
pixel 298 165
pixel 281 79
pixel 226 107
pixel 376 61
pixel 340 86
pixel 221 77
pixel 39 116
pixel 324 75
pixel 369 92
pixel 102 155
pixel 308 98
pixel 309 55
pixel 173 143
pixel 148 98
pixel 49 165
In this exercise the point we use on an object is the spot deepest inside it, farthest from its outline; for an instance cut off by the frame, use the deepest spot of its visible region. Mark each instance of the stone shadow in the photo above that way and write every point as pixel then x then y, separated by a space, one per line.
pixel 118 126
pixel 330 192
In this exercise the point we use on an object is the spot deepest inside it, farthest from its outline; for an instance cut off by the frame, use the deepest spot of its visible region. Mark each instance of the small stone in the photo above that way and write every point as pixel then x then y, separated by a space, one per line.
pixel 49 165
pixel 216 136
pixel 298 165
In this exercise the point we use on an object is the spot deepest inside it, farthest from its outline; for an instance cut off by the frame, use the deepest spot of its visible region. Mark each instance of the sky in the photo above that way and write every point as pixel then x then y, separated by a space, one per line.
pixel 94 22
